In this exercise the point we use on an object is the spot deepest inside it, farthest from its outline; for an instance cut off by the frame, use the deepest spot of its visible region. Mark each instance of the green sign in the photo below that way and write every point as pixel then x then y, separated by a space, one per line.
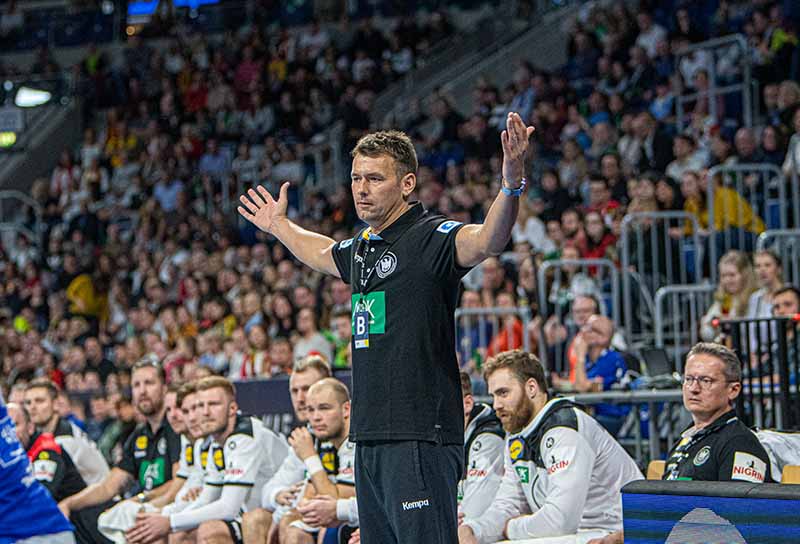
pixel 375 304
pixel 523 474
pixel 152 473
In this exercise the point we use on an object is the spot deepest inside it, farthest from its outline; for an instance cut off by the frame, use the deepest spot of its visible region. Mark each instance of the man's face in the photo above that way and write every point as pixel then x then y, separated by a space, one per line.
pixel 174 414
pixel 340 292
pixel 609 167
pixel 327 416
pixel 570 223
pixel 786 305
pixel 598 331
pixel 299 383
pixel 471 299
pixel 148 391
pixel 93 351
pixel 766 269
pixel 216 408
pixel 24 428
pixel 598 193
pixel 582 310
pixel 341 327
pixel 512 404
pixel 40 405
pixel 377 191
pixel 281 353
pixel 191 416
pixel 704 401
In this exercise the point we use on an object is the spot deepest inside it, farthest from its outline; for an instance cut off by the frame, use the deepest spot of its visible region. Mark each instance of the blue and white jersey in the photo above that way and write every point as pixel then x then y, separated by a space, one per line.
pixel 26 508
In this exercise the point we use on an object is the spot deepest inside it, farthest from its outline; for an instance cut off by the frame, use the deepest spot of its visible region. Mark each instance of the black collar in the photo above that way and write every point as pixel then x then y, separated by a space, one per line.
pixel 393 232
pixel 720 422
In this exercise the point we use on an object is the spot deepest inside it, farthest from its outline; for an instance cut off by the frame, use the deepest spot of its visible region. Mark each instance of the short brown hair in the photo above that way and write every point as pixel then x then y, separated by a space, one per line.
pixel 522 364
pixel 393 143
pixel 184 391
pixel 733 367
pixel 466 384
pixel 339 389
pixel 212 382
pixel 43 383
pixel 313 362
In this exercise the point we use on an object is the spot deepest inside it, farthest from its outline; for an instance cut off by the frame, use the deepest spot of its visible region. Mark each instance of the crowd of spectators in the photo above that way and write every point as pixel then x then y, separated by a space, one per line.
pixel 140 256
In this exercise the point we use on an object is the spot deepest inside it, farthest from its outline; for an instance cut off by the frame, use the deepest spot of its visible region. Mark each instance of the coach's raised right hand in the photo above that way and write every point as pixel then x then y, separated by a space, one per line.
pixel 261 209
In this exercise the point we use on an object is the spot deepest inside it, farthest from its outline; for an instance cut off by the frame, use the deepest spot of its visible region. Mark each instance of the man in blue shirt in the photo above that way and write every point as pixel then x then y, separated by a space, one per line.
pixel 28 514
pixel 603 367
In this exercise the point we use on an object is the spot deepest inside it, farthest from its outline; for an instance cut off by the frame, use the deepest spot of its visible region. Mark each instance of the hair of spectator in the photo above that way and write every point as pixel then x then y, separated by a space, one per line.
pixel 313 362
pixel 733 367
pixel 44 383
pixel 593 298
pixel 213 382
pixel 393 143
pixel 788 289
pixel 150 362
pixel 332 384
pixel 466 384
pixel 576 211
pixel 184 391
pixel 771 253
pixel 744 266
pixel 341 312
pixel 522 364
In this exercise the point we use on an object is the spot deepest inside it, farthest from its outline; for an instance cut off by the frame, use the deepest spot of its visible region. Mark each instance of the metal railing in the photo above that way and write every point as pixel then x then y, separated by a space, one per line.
pixel 604 277
pixel 476 328
pixel 652 258
pixel 786 243
pixel 718 87
pixel 13 204
pixel 682 307
pixel 759 203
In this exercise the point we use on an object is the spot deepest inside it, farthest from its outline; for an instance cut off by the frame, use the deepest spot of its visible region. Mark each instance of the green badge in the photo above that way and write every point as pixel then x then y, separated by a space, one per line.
pixel 523 474
pixel 375 305
pixel 152 473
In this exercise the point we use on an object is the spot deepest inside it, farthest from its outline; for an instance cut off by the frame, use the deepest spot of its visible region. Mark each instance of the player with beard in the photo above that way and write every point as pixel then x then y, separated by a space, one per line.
pixel 328 456
pixel 150 457
pixel 279 494
pixel 563 471
pixel 40 396
pixel 245 453
pixel 52 465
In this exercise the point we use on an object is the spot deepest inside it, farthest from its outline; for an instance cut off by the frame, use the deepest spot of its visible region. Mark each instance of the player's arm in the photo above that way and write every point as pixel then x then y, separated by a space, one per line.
pixel 50 471
pixel 167 492
pixel 743 460
pixel 474 243
pixel 269 215
pixel 225 508
pixel 288 475
pixel 509 502
pixel 569 462
pixel 113 484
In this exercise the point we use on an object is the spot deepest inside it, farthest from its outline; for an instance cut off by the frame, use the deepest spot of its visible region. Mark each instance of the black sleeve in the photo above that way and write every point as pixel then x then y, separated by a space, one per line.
pixel 440 250
pixel 49 469
pixel 343 257
pixel 743 458
pixel 173 449
pixel 128 463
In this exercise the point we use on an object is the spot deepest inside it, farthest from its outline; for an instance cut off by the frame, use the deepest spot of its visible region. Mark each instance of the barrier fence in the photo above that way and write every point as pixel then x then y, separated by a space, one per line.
pixel 12 209
pixel 568 278
pixel 786 243
pixel 761 204
pixel 478 329
pixel 769 349
pixel 653 256
pixel 678 311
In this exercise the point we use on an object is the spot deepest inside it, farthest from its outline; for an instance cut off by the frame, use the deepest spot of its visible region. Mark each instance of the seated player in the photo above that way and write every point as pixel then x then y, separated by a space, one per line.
pixel 279 494
pixel 484 442
pixel 563 471
pixel 52 465
pixel 328 455
pixel 246 454
pixel 40 396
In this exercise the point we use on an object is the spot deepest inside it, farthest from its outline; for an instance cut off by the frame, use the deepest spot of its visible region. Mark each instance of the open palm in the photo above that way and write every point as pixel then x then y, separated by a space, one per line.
pixel 261 209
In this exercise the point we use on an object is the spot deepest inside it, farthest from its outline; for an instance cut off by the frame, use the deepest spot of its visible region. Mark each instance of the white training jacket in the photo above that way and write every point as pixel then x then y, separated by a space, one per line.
pixel 484 444
pixel 563 474
pixel 84 453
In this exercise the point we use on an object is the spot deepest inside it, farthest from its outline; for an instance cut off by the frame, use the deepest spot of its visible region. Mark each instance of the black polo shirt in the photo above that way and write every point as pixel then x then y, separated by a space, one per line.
pixel 406 384
pixel 53 467
pixel 725 450
pixel 149 457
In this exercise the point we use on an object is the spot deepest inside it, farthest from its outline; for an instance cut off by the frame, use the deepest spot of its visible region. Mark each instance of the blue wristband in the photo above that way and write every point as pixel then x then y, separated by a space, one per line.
pixel 513 192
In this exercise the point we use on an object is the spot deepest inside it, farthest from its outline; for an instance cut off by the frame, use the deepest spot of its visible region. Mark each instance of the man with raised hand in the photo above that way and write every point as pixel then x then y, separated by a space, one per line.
pixel 404 271
pixel 40 397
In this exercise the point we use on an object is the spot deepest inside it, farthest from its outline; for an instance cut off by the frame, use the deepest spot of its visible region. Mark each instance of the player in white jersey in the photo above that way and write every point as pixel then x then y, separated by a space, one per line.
pixel 280 493
pixel 246 454
pixel 40 396
pixel 563 471
pixel 193 442
pixel 328 455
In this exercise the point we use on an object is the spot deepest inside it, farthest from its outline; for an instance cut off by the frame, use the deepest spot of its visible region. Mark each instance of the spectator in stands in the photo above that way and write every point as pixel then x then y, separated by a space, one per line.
pixel 310 340
pixel 686 159
pixel 791 163
pixel 600 242
pixel 747 151
pixel 786 303
pixel 769 275
pixel 600 200
pixel 573 167
pixel 736 285
pixel 510 333
pixel 650 33
pixel 772 146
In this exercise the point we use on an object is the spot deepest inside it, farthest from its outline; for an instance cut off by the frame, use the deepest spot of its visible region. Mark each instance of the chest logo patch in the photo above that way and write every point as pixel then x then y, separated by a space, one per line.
pixel 386 265
pixel 524 474
pixel 141 442
pixel 515 449
pixel 162 446
pixel 702 456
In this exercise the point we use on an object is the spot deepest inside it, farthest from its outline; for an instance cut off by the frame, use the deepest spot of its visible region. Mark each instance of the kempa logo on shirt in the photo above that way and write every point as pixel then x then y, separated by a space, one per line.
pixel 748 468
pixel 411 505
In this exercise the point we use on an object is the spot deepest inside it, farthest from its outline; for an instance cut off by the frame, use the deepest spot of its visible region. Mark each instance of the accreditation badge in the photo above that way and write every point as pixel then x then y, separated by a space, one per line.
pixel 361 329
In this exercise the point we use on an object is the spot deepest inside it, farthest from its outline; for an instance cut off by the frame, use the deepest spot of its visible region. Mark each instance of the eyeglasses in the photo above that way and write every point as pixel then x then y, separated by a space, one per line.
pixel 705 382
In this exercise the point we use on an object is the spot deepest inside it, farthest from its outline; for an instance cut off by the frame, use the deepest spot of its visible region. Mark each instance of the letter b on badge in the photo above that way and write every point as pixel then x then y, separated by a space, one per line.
pixel 361 329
